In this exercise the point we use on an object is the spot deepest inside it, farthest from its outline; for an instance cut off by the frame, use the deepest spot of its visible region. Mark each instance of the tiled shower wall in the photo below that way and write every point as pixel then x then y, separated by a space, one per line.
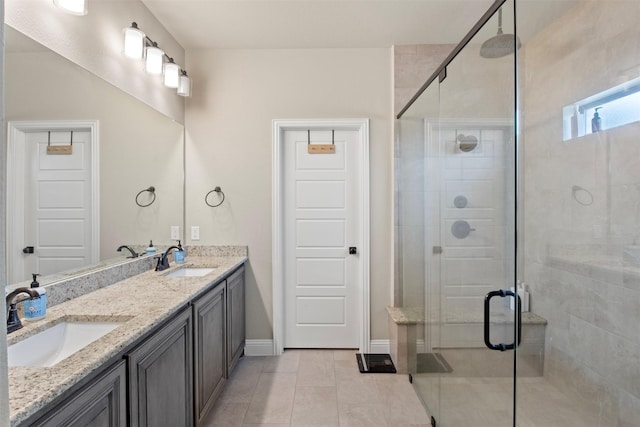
pixel 582 208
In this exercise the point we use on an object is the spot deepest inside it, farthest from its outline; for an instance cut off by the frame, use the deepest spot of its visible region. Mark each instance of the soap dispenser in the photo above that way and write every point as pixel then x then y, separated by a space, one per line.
pixel 596 122
pixel 36 309
pixel 151 249
pixel 178 256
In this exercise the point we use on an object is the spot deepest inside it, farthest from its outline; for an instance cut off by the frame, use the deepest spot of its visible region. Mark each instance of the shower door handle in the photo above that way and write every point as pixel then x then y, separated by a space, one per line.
pixel 487 319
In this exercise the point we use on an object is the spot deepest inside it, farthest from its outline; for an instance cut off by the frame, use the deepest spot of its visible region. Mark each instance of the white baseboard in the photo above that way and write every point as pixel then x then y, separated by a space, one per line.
pixel 258 348
pixel 265 347
pixel 379 346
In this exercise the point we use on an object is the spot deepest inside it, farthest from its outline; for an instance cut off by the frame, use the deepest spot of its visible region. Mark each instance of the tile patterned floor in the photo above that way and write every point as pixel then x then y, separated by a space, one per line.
pixel 488 402
pixel 315 388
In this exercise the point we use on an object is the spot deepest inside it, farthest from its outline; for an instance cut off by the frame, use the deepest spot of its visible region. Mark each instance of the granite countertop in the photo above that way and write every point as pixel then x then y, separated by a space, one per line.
pixel 141 302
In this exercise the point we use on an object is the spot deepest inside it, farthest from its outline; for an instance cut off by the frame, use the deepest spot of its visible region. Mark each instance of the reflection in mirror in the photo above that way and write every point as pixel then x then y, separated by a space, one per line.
pixel 135 148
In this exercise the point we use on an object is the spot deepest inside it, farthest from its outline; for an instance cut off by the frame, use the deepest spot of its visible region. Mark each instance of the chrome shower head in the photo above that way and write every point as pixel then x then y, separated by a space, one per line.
pixel 501 44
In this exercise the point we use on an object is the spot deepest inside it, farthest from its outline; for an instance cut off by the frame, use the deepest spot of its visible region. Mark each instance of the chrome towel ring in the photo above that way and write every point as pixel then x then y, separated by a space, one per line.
pixel 151 190
pixel 217 190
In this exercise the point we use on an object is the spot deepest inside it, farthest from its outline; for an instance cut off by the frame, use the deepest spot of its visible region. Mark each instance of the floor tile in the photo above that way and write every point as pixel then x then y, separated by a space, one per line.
pixel 226 414
pixel 358 390
pixel 287 362
pixel 314 388
pixel 315 406
pixel 317 374
pixel 275 386
pixel 361 415
pixel 239 390
pixel 346 369
pixel 269 410
pixel 345 355
pixel 266 425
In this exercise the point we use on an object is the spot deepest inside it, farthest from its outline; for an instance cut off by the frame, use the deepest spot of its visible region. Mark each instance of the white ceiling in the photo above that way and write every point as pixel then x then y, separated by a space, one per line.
pixel 282 24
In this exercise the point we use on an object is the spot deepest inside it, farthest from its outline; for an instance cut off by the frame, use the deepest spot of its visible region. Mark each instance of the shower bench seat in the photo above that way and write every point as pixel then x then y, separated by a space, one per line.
pixel 461 343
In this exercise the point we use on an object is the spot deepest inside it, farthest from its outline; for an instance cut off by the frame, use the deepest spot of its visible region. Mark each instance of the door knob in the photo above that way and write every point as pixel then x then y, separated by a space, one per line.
pixel 27 250
pixel 353 250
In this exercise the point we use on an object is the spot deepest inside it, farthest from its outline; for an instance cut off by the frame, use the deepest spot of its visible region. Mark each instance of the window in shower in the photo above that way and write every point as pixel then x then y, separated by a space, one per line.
pixel 617 106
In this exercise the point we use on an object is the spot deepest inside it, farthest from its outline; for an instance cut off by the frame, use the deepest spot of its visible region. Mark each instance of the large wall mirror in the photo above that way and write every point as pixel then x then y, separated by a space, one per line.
pixel 133 147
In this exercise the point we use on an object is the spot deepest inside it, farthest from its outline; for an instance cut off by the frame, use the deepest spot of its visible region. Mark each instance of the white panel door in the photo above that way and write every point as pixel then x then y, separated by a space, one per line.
pixel 58 207
pixel 321 220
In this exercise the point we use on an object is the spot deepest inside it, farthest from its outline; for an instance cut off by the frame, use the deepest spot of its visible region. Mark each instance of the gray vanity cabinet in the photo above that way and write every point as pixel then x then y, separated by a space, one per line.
pixel 172 376
pixel 235 318
pixel 101 403
pixel 209 321
pixel 161 376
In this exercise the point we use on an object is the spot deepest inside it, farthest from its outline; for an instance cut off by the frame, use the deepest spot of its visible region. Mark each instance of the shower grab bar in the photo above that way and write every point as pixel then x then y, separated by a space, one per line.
pixel 487 315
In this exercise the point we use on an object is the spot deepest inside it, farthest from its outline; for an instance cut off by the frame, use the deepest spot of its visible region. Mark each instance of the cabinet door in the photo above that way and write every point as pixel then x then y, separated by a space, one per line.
pixel 101 403
pixel 235 317
pixel 210 349
pixel 161 377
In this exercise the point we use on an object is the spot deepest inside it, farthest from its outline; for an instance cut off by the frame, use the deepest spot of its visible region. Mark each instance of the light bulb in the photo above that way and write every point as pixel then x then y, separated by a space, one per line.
pixel 171 74
pixel 133 42
pixel 154 59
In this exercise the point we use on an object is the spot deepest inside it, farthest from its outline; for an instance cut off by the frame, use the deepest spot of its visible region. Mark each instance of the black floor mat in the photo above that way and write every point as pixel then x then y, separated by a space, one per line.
pixel 432 363
pixel 375 363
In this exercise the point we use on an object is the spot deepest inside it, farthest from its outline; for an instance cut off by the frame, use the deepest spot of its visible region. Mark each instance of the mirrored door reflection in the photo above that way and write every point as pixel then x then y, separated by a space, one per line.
pixel 134 147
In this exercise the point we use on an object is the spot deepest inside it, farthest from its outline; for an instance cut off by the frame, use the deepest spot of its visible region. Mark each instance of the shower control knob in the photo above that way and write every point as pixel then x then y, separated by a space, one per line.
pixel 353 250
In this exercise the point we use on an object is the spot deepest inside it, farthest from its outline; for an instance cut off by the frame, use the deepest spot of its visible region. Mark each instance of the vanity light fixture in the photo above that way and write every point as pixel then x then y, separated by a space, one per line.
pixel 134 42
pixel 171 74
pixel 155 59
pixel 184 85
pixel 74 7
pixel 138 45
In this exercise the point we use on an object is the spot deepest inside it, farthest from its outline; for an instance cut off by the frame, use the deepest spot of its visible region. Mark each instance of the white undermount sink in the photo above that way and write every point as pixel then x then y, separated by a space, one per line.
pixel 56 343
pixel 191 272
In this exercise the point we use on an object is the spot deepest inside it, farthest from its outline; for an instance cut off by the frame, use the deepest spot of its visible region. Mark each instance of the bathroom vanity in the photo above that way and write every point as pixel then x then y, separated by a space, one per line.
pixel 178 341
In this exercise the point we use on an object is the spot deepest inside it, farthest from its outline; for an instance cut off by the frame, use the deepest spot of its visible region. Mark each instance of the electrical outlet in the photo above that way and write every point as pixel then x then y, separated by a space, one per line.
pixel 195 232
pixel 175 232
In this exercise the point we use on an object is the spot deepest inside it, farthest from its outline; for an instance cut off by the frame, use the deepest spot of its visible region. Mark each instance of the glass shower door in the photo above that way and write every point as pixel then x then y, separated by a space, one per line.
pixel 465 361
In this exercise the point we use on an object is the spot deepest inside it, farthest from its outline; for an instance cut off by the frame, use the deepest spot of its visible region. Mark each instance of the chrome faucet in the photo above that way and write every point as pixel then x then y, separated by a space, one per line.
pixel 13 321
pixel 163 260
pixel 133 253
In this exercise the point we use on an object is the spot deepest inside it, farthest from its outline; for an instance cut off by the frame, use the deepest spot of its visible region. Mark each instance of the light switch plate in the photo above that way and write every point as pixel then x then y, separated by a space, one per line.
pixel 195 232
pixel 175 232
